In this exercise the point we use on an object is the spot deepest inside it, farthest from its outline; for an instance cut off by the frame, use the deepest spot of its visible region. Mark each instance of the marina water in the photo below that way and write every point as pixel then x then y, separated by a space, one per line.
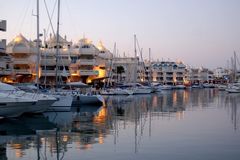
pixel 179 124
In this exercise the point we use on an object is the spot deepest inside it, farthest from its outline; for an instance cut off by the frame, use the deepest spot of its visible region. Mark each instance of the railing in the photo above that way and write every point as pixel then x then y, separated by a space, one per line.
pixel 6 72
pixel 86 61
pixel 22 61
pixel 88 72
pixel 48 72
pixel 87 51
pixel 22 71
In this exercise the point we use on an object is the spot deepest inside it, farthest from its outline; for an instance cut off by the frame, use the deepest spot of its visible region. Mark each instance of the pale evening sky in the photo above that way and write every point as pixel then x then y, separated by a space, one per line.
pixel 198 32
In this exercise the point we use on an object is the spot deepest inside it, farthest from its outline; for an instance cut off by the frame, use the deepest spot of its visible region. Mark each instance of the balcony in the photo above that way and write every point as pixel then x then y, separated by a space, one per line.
pixel 48 72
pixel 22 71
pixel 48 62
pixel 87 51
pixel 88 73
pixel 2 64
pixel 86 61
pixel 23 61
pixel 6 72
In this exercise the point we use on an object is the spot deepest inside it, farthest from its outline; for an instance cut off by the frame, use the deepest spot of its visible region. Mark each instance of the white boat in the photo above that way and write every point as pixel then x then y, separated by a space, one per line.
pixel 91 99
pixel 81 99
pixel 233 88
pixel 108 91
pixel 156 87
pixel 138 88
pixel 63 103
pixel 117 91
pixel 208 85
pixel 221 87
pixel 123 91
pixel 196 86
pixel 43 102
pixel 180 86
pixel 166 87
pixel 13 106
pixel 142 90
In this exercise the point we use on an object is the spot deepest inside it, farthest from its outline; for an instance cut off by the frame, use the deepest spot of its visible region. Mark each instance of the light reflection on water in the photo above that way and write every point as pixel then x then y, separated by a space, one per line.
pixel 182 124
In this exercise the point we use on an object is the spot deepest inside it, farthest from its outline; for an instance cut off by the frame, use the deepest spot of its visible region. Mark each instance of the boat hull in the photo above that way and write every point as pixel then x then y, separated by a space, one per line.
pixel 14 109
pixel 63 103
pixel 87 99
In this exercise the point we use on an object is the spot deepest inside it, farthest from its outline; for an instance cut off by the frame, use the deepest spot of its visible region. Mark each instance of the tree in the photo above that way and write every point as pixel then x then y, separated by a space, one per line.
pixel 120 70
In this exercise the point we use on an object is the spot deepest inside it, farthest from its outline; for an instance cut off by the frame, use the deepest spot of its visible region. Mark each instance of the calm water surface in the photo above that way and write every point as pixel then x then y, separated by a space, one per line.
pixel 191 124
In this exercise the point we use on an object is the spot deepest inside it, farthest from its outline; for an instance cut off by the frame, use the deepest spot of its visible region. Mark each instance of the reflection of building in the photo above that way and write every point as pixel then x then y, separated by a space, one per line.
pixel 3 152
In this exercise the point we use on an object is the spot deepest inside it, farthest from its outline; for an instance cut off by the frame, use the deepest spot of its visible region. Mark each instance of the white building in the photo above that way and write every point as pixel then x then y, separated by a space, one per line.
pixel 220 72
pixel 171 73
pixel 23 56
pixel 5 59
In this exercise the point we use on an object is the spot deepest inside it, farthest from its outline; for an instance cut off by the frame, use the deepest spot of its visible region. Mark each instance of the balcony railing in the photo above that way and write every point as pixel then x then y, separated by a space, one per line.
pixel 86 61
pixel 23 61
pixel 88 72
pixel 48 72
pixel 87 51
pixel 23 71
pixel 6 72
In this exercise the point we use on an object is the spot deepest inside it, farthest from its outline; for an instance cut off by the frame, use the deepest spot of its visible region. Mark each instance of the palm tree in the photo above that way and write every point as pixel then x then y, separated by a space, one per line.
pixel 120 70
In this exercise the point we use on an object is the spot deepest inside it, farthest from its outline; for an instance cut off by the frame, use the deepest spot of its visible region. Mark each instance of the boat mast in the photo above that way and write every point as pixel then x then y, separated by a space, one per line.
pixel 150 66
pixel 57 45
pixel 135 57
pixel 234 66
pixel 38 45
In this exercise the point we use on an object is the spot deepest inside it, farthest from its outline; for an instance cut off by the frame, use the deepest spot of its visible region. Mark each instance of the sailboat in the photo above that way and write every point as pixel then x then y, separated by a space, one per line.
pixel 235 86
pixel 139 88
pixel 64 100
pixel 114 91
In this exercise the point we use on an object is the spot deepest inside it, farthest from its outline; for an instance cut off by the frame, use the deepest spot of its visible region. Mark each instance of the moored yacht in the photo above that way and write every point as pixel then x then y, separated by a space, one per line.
pixel 42 101
pixel 13 106
pixel 233 87
pixel 117 91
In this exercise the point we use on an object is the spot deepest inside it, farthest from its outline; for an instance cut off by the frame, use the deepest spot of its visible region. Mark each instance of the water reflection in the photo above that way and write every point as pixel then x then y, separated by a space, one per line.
pixel 64 135
pixel 232 102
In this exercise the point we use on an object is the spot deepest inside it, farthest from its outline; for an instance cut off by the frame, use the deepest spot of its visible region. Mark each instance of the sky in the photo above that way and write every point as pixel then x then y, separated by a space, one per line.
pixel 201 33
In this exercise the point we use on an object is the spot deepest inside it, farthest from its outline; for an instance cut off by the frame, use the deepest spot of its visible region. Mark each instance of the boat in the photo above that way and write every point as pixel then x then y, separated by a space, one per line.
pixel 63 103
pixel 137 88
pixel 117 91
pixel 208 85
pixel 156 87
pixel 42 101
pixel 80 99
pixel 142 90
pixel 14 106
pixel 180 86
pixel 64 99
pixel 196 85
pixel 166 87
pixel 221 87
pixel 233 88
pixel 107 91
